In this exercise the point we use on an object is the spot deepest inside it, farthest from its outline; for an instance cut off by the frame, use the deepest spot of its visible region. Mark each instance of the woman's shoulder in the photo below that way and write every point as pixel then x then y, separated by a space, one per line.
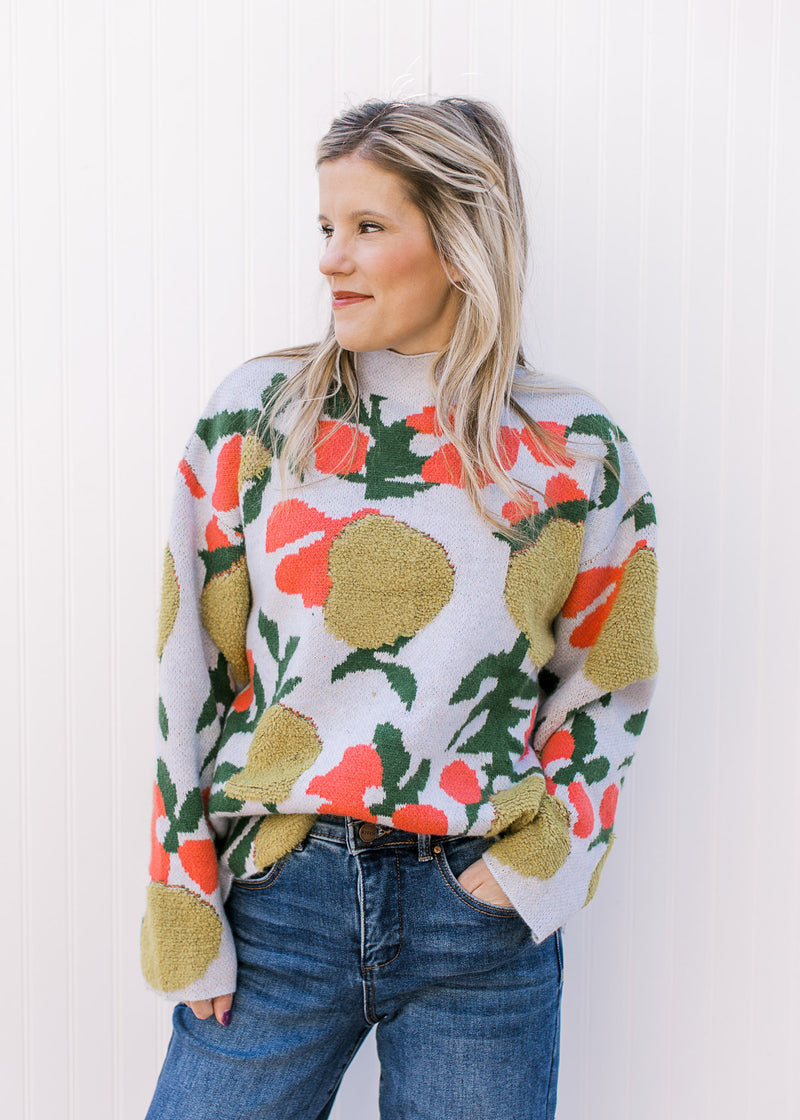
pixel 250 385
pixel 551 401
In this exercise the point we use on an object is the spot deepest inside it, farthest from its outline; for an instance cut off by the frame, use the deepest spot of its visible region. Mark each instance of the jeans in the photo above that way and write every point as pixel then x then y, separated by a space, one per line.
pixel 364 926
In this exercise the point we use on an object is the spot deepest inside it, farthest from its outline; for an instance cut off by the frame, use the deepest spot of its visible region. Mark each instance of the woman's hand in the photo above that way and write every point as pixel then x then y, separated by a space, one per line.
pixel 478 881
pixel 219 1006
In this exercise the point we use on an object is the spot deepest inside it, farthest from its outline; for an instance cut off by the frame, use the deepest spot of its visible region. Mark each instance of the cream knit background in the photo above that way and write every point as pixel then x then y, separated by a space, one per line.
pixel 158 204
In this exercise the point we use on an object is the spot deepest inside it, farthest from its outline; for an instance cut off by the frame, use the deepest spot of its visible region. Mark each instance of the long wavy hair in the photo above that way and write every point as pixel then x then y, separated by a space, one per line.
pixel 457 162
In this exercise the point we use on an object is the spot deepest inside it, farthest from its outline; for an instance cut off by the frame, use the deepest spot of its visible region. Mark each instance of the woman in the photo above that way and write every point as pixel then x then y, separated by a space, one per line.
pixel 406 648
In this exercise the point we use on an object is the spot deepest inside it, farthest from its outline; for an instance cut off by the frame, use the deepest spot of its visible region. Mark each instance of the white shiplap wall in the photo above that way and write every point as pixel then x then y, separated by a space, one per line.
pixel 158 197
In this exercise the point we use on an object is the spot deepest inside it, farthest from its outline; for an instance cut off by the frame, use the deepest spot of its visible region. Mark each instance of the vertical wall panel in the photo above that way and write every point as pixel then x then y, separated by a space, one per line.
pixel 159 226
pixel 14 1032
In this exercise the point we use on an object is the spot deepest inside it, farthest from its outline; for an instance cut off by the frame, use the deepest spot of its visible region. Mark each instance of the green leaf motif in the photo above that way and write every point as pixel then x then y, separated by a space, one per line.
pixel 187 820
pixel 603 837
pixel 397 764
pixel 643 512
pixel 220 694
pixel 635 723
pixel 163 722
pixel 236 722
pixel 219 560
pixel 219 802
pixel 390 462
pixel 268 629
pixel 400 677
pixel 581 765
pixel 167 787
pixel 595 424
pixel 212 429
pixel 496 734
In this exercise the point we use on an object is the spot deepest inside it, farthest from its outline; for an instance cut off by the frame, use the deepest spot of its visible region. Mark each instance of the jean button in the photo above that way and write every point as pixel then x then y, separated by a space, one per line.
pixel 367 833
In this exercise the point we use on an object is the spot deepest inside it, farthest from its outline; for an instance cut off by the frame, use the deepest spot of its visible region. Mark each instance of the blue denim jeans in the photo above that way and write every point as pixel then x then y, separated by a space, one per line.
pixel 363 926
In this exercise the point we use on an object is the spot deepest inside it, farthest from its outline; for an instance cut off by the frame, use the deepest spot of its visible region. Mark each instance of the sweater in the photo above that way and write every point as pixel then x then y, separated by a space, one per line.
pixel 363 642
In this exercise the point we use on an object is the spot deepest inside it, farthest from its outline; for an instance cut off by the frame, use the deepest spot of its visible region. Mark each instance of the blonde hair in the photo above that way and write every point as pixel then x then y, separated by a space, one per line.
pixel 457 162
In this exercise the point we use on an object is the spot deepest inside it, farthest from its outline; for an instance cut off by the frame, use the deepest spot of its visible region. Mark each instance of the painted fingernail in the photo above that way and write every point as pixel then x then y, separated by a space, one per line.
pixel 226 1018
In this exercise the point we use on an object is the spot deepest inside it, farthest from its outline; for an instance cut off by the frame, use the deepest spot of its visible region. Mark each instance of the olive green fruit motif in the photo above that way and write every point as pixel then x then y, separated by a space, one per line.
pixel 170 600
pixel 540 848
pixel 625 649
pixel 517 806
pixel 181 936
pixel 255 459
pixel 538 581
pixel 277 834
pixel 388 581
pixel 284 745
pixel 595 879
pixel 224 609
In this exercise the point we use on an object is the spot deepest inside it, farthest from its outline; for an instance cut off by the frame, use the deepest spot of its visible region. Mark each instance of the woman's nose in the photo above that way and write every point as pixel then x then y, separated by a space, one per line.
pixel 334 259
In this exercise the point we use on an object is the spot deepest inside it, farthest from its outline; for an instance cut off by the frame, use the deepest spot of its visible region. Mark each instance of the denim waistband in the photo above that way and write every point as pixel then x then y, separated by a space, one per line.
pixel 361 836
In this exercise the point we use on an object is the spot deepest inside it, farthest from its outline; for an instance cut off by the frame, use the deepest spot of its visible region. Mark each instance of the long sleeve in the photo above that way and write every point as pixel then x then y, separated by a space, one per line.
pixel 186 945
pixel 596 688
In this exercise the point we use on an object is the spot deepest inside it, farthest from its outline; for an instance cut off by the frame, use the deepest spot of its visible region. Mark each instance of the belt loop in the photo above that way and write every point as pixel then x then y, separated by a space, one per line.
pixel 424 848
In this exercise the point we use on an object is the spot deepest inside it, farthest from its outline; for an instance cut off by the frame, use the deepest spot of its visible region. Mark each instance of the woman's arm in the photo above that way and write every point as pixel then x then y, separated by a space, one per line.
pixel 597 687
pixel 187 947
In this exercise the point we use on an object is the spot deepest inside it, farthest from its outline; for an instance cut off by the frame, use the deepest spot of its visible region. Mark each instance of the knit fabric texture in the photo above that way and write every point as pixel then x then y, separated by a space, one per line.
pixel 362 642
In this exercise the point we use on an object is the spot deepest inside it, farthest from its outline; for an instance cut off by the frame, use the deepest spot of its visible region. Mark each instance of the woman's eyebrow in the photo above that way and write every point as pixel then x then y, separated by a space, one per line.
pixel 360 214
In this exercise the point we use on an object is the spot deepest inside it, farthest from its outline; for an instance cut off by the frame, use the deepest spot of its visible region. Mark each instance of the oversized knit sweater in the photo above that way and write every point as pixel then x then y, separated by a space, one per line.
pixel 364 643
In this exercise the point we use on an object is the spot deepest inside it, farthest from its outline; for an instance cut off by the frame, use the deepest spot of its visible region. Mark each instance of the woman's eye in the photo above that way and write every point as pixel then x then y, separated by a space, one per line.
pixel 326 231
pixel 370 227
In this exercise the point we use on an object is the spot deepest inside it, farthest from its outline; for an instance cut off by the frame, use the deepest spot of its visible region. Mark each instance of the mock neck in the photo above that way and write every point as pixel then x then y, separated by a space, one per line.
pixel 396 377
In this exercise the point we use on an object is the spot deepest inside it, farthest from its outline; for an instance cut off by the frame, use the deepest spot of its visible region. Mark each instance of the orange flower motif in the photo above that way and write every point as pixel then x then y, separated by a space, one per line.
pixel 190 478
pixel 425 422
pixel 421 818
pixel 579 799
pixel 340 450
pixel 305 572
pixel 226 488
pixel 562 488
pixel 518 511
pixel 159 859
pixel 460 782
pixel 543 454
pixel 608 806
pixel 558 747
pixel 199 860
pixel 215 538
pixel 445 465
pixel 345 785
pixel 588 587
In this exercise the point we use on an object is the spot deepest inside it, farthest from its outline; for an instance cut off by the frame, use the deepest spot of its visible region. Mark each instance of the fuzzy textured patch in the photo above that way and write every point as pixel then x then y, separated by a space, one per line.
pixel 540 848
pixel 224 609
pixel 595 879
pixel 387 581
pixel 516 807
pixel 170 601
pixel 256 457
pixel 625 650
pixel 538 581
pixel 277 834
pixel 284 745
pixel 181 936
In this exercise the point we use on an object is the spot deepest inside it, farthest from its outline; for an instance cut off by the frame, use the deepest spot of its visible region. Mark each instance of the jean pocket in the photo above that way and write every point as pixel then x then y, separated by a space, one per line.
pixel 260 880
pixel 452 858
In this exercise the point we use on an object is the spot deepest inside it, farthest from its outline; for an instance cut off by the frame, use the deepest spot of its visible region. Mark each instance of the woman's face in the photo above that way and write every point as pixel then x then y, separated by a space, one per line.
pixel 390 291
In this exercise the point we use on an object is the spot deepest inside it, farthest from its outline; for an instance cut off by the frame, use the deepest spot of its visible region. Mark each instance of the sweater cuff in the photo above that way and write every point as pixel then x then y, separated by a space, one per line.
pixel 187 948
pixel 546 878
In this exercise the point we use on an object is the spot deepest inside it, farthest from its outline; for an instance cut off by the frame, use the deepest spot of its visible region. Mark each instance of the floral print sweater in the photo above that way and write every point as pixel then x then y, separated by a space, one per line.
pixel 364 643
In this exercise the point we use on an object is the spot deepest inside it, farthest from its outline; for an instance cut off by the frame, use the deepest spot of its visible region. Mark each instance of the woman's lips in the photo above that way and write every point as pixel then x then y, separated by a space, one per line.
pixel 347 299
